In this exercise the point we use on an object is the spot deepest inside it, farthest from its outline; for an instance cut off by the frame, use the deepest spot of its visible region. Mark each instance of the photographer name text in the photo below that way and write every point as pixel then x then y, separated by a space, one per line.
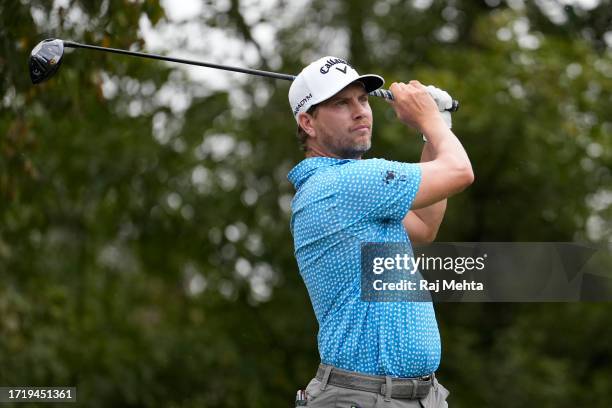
pixel 423 284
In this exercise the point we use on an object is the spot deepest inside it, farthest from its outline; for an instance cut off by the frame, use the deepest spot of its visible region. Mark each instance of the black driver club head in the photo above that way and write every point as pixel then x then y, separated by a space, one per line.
pixel 45 59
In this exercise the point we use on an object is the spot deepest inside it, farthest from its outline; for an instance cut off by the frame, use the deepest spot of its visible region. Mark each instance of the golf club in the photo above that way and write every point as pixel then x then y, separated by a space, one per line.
pixel 46 58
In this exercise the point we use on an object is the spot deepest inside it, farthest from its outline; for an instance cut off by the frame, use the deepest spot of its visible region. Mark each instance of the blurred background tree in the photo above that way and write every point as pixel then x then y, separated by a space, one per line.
pixel 145 253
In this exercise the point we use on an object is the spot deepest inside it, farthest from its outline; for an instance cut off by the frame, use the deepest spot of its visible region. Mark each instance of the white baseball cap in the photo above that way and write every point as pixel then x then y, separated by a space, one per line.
pixel 324 78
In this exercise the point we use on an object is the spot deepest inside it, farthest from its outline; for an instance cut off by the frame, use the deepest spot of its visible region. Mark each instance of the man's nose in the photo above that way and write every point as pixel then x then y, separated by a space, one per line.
pixel 359 110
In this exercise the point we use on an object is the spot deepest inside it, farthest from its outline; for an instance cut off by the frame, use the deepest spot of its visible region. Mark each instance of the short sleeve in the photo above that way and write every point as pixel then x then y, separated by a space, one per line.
pixel 378 189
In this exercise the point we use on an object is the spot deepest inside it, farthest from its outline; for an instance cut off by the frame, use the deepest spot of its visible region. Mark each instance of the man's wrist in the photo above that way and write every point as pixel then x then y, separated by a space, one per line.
pixel 433 130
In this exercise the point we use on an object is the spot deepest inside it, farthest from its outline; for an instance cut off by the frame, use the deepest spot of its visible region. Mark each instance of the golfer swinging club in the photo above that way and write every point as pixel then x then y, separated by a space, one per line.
pixel 373 354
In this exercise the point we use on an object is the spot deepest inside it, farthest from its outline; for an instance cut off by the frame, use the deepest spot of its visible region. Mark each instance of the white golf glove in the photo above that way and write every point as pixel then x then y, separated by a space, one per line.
pixel 444 102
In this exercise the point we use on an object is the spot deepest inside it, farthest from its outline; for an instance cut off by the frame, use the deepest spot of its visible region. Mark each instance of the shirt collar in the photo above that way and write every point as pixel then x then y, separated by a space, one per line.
pixel 307 167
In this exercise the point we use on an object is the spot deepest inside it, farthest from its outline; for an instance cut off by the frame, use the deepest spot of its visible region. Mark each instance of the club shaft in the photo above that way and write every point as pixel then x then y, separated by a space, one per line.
pixel 268 74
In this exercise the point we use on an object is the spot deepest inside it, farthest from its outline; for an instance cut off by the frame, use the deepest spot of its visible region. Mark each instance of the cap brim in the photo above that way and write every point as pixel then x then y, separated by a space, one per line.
pixel 371 82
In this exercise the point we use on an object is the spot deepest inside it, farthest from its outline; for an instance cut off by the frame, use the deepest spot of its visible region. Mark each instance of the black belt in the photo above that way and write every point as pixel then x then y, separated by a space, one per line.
pixel 401 388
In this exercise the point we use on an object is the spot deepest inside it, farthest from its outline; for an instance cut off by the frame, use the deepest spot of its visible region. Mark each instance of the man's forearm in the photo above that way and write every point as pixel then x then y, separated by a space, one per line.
pixel 431 216
pixel 428 154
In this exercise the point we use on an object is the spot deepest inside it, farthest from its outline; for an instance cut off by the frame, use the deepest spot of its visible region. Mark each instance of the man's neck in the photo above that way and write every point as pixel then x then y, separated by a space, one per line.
pixel 313 152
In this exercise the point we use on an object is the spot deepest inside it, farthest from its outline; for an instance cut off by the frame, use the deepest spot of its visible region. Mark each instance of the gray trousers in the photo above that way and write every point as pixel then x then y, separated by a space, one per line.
pixel 321 395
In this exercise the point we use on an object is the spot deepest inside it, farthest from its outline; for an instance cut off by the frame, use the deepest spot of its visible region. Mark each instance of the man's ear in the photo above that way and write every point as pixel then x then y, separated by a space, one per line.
pixel 305 121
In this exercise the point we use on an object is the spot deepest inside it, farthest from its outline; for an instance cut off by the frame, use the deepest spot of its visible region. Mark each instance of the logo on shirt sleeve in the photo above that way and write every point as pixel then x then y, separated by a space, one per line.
pixel 391 175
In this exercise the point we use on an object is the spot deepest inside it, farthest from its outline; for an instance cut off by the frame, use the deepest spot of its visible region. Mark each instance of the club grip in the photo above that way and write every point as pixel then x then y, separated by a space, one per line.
pixel 385 93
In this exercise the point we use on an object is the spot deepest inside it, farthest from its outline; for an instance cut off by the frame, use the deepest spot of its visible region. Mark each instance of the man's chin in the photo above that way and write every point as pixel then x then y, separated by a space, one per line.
pixel 365 146
pixel 356 151
pixel 365 149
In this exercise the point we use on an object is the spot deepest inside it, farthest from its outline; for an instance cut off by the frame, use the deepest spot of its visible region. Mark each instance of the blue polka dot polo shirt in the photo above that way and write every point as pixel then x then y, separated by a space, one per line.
pixel 339 204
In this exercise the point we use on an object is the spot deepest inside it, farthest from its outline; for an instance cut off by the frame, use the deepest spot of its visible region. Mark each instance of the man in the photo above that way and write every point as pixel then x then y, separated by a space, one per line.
pixel 373 354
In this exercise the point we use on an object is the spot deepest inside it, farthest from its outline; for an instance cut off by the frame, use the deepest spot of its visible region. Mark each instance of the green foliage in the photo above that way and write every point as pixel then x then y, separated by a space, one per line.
pixel 145 254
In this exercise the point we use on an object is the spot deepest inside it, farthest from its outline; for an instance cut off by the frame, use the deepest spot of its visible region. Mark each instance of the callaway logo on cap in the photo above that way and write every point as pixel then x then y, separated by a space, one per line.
pixel 323 79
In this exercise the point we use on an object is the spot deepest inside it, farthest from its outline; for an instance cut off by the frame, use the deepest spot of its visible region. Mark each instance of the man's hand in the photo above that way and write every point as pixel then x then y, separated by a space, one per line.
pixel 444 102
pixel 413 105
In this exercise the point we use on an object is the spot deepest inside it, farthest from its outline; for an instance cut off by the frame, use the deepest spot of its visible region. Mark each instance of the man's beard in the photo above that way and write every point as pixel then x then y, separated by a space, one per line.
pixel 349 151
pixel 355 151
